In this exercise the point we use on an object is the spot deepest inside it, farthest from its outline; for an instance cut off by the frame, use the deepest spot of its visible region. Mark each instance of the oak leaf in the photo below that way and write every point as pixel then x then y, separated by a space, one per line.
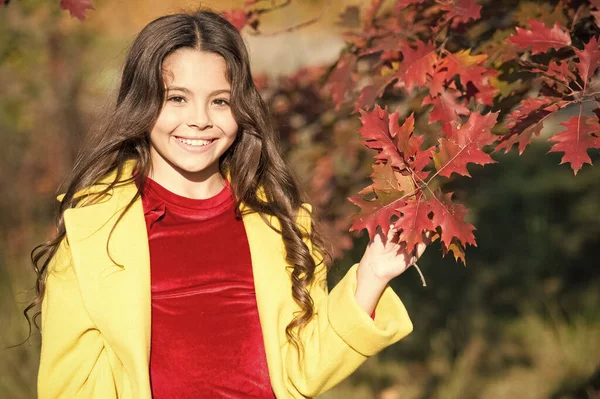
pixel 541 38
pixel 582 133
pixel 465 144
pixel 77 8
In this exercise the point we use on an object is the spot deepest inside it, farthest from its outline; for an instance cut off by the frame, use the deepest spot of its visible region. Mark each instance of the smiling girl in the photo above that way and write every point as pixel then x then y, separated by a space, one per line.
pixel 187 263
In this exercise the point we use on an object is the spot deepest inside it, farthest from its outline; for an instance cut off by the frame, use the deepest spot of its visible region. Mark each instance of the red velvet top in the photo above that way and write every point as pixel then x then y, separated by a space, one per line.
pixel 206 337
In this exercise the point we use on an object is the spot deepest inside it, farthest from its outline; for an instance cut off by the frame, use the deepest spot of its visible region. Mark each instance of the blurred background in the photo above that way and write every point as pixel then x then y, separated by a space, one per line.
pixel 520 321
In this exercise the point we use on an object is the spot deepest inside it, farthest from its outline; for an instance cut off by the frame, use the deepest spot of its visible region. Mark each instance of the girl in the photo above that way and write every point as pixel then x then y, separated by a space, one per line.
pixel 187 264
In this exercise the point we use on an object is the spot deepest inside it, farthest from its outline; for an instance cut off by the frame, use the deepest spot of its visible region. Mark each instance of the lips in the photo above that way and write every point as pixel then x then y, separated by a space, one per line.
pixel 197 138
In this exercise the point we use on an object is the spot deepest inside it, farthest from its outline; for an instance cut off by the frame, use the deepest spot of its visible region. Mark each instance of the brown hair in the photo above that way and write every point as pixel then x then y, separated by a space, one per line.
pixel 253 159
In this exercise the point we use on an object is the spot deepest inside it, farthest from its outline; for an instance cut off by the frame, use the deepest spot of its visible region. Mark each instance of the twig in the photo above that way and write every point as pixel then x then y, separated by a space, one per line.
pixel 291 28
pixel 420 274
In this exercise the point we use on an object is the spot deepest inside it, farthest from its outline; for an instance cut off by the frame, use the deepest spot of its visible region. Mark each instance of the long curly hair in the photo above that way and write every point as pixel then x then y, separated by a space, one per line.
pixel 253 160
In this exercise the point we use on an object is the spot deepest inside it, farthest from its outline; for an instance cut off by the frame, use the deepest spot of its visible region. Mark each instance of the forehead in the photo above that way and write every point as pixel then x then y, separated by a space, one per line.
pixel 194 69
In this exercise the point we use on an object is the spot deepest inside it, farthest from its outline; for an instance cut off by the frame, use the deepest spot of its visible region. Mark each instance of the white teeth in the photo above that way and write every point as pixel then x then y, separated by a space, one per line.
pixel 195 142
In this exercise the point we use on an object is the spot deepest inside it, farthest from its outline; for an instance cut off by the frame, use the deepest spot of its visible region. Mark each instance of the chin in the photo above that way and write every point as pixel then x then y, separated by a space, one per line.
pixel 191 168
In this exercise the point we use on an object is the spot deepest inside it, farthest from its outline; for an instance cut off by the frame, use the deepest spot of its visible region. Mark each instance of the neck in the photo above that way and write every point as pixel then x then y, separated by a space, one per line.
pixel 196 185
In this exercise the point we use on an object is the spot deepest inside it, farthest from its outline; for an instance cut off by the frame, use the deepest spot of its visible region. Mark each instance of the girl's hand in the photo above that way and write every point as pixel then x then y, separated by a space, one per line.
pixel 385 258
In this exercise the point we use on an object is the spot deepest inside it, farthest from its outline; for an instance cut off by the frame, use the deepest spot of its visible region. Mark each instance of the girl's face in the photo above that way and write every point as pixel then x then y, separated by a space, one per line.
pixel 196 125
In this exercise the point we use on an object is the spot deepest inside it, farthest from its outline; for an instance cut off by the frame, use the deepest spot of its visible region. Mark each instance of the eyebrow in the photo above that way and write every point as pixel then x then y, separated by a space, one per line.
pixel 186 90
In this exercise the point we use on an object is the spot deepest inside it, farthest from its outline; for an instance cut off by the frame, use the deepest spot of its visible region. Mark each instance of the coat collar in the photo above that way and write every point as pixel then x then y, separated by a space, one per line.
pixel 128 169
pixel 118 299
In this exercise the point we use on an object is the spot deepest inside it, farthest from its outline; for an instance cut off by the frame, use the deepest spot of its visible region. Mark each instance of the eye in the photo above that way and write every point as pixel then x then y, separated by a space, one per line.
pixel 221 101
pixel 176 98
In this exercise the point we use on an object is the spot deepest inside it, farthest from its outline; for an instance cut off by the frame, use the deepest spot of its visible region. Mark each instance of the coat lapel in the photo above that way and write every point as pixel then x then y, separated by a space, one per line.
pixel 119 299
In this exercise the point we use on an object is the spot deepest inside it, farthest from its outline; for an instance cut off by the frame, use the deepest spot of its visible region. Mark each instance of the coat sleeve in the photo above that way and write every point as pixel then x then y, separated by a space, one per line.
pixel 341 335
pixel 73 359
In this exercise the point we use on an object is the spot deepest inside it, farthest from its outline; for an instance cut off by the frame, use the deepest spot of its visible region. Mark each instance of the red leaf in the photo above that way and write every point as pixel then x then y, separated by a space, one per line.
pixel 450 217
pixel 371 12
pixel 589 59
pixel 396 144
pixel 405 3
pixel 527 106
pixel 446 109
pixel 414 221
pixel 416 65
pixel 237 17
pixel 559 71
pixel 437 82
pixel 389 46
pixel 77 8
pixel 340 79
pixel 409 146
pixel 467 66
pixel 377 127
pixel 523 139
pixel 370 93
pixel 377 212
pixel 462 11
pixel 541 38
pixel 465 145
pixel 582 133
pixel 526 120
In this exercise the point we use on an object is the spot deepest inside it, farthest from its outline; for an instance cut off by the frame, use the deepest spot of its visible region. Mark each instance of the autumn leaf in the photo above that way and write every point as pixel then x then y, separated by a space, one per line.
pixel 371 12
pixel 405 3
pixel 77 8
pixel 461 11
pixel 386 180
pixel 237 17
pixel 527 120
pixel 414 221
pixel 376 212
pixel 450 217
pixel 376 129
pixel 410 145
pixel 557 71
pixel 370 93
pixel 446 108
pixel 541 38
pixel 468 67
pixel 528 106
pixel 465 145
pixel 457 250
pixel 417 64
pixel 582 133
pixel 389 46
pixel 340 80
pixel 395 144
pixel 589 60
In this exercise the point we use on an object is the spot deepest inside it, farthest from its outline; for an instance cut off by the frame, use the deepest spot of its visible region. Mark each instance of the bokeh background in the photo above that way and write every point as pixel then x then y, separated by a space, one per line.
pixel 522 320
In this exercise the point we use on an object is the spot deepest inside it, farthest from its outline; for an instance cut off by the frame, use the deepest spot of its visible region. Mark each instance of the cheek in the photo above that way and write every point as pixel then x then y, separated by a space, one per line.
pixel 167 121
pixel 228 124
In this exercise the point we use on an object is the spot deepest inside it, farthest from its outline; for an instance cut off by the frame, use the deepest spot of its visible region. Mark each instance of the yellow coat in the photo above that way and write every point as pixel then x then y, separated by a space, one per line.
pixel 96 316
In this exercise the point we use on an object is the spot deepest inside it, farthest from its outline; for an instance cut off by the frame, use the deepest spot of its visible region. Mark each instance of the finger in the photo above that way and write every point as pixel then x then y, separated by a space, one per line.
pixel 420 249
pixel 379 235
pixel 392 232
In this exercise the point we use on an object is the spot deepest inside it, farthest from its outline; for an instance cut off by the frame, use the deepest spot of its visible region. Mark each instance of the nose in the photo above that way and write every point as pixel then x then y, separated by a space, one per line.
pixel 199 118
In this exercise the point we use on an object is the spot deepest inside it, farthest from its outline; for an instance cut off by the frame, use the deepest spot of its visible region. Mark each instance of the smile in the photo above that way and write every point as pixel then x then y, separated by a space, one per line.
pixel 194 142
pixel 195 146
